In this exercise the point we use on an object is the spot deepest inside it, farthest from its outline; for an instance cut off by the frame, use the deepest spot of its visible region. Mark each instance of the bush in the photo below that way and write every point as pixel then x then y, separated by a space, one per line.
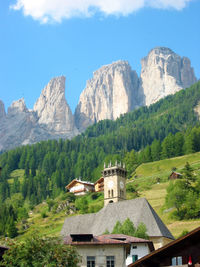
pixel 95 195
pixel 95 208
pixel 70 197
pixel 43 214
pixel 81 204
pixel 22 214
pixel 50 203
pixel 38 251
pixel 184 232
pixel 128 228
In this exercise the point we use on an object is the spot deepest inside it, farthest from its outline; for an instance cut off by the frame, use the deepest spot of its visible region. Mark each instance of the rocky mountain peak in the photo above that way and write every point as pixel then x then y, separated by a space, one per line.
pixel 2 110
pixel 17 107
pixel 111 92
pixel 164 72
pixel 52 108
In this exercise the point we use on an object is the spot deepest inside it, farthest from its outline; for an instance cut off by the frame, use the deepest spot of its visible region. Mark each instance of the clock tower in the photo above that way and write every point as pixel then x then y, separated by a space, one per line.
pixel 114 183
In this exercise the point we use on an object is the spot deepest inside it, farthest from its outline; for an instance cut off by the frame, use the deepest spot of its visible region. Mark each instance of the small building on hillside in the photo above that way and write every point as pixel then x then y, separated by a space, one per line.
pixel 99 185
pixel 184 251
pixel 108 250
pixel 175 175
pixel 79 187
pixel 2 251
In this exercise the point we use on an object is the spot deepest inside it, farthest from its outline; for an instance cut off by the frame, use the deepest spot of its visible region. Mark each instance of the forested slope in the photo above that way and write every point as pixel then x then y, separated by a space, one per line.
pixel 50 165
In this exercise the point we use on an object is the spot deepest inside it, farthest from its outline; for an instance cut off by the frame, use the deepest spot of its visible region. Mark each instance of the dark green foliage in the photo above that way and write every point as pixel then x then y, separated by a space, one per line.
pixel 50 203
pixel 117 228
pixel 70 197
pixel 22 213
pixel 95 195
pixel 12 229
pixel 184 232
pixel 131 161
pixel 183 195
pixel 128 228
pixel 166 129
pixel 81 205
pixel 130 188
pixel 44 215
pixel 188 174
pixel 141 231
pixel 37 251
pixel 8 216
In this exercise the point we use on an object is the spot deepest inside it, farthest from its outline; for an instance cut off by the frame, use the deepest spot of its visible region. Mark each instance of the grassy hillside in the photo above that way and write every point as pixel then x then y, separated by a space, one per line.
pixel 156 197
pixel 164 167
pixel 151 173
pixel 146 180
pixel 50 222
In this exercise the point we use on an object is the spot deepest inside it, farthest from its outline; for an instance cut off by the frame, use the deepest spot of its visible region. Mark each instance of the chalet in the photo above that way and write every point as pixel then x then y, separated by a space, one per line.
pixel 79 187
pixel 184 251
pixel 99 185
pixel 117 208
pixel 2 251
pixel 108 250
pixel 175 175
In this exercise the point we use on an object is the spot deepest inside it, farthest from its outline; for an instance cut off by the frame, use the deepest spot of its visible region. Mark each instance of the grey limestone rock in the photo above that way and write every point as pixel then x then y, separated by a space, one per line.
pixel 2 110
pixel 52 108
pixel 16 126
pixel 115 89
pixel 112 91
pixel 50 119
pixel 164 73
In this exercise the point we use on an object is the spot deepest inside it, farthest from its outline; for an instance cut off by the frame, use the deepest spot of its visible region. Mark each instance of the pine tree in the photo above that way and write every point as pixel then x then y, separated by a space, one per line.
pixel 12 230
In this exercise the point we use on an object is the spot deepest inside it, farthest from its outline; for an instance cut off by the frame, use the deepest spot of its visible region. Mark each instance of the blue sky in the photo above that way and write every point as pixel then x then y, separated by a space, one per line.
pixel 41 39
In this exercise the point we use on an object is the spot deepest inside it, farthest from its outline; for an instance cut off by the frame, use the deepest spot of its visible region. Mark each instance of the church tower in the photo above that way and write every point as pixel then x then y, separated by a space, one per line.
pixel 114 183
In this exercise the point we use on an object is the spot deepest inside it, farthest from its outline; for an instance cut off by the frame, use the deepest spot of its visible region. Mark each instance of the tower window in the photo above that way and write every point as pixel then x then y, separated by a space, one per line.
pixel 108 193
pixel 112 193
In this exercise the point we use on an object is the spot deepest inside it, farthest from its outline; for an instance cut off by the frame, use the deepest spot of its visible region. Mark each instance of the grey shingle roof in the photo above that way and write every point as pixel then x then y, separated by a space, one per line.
pixel 137 210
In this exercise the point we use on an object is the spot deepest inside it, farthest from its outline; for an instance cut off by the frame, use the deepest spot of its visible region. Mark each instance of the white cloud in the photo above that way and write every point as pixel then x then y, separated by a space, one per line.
pixel 56 10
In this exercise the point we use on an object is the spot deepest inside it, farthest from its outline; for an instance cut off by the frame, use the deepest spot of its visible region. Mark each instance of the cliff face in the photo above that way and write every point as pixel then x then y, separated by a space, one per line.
pixel 2 110
pixel 17 125
pixel 115 89
pixel 163 73
pixel 50 119
pixel 112 91
pixel 52 109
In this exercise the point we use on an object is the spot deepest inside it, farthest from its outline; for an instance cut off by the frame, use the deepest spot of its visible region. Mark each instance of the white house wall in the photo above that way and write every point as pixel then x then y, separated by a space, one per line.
pixel 77 188
pixel 141 250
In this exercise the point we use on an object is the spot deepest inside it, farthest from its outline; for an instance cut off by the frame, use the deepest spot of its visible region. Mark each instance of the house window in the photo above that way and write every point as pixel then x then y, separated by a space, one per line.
pixel 90 261
pixel 176 261
pixel 110 261
pixel 134 258
pixel 134 247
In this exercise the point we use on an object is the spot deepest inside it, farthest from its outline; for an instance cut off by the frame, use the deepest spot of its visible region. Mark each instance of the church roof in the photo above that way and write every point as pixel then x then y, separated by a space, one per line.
pixel 137 210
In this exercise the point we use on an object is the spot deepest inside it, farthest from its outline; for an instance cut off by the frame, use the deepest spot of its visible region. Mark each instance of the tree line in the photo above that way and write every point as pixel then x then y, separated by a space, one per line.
pixel 166 129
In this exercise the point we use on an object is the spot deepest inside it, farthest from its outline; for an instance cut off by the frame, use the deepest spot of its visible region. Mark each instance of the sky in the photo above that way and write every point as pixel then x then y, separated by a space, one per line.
pixel 42 39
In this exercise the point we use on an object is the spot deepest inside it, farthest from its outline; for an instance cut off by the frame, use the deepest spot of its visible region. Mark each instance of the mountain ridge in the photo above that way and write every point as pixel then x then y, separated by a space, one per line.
pixel 114 90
